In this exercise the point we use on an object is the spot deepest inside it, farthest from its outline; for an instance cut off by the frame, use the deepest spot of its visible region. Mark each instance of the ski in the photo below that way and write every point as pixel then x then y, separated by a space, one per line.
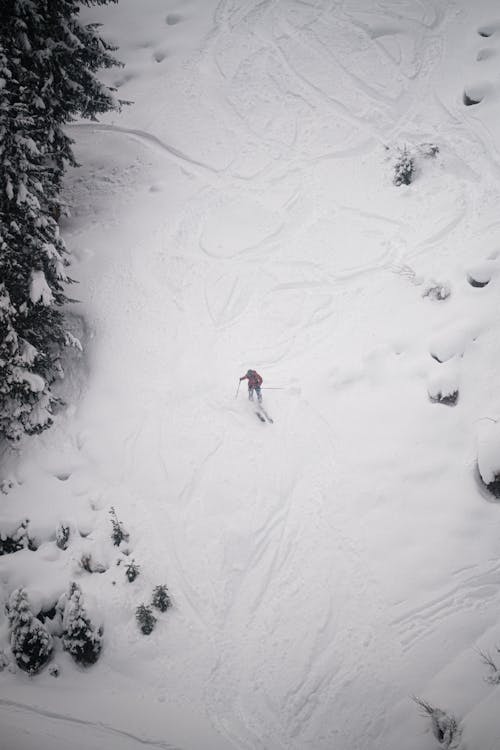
pixel 264 412
pixel 260 416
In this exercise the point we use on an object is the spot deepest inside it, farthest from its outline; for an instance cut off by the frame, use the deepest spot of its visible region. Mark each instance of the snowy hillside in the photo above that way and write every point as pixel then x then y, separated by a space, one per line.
pixel 241 213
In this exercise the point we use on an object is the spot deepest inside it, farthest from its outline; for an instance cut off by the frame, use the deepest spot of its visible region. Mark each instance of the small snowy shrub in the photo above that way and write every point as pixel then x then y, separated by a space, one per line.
pixel 62 535
pixel 444 726
pixel 161 599
pixel 4 660
pixel 88 563
pixel 16 540
pixel 429 150
pixel 79 636
pixel 118 533
pixel 145 619
pixel 132 570
pixel 30 642
pixel 437 292
pixel 494 672
pixel 404 168
pixel 6 485
pixel 54 670
pixel 448 399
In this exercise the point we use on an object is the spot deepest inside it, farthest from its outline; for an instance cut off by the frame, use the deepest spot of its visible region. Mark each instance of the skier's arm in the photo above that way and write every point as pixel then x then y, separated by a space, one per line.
pixel 244 377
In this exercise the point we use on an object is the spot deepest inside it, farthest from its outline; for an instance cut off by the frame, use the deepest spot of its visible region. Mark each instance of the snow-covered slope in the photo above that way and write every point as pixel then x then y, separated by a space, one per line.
pixel 241 213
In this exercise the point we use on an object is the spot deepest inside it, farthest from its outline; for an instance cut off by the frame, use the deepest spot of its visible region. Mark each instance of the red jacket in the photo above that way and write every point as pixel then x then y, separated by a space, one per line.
pixel 254 380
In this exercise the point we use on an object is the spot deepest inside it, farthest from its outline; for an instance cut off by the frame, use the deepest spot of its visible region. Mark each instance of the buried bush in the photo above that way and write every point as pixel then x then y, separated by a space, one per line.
pixel 88 563
pixel 493 676
pixel 429 150
pixel 448 399
pixel 444 726
pixel 438 292
pixel 161 600
pixel 145 619
pixel 30 641
pixel 16 540
pixel 79 636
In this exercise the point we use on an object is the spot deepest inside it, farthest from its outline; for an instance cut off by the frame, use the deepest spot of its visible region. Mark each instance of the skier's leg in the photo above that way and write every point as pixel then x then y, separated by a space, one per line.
pixel 259 394
pixel 250 393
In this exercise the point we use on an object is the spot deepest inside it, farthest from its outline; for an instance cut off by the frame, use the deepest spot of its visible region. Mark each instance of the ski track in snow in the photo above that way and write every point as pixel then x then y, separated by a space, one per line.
pixel 243 708
pixel 321 678
pixel 104 732
pixel 469 593
pixel 276 691
pixel 177 157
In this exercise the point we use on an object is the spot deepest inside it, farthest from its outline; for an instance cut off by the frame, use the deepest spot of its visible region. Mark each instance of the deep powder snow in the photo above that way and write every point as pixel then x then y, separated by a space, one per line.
pixel 241 213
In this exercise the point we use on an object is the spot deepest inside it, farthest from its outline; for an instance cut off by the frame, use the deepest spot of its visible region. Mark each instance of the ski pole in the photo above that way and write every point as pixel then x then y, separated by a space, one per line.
pixel 238 388
pixel 272 388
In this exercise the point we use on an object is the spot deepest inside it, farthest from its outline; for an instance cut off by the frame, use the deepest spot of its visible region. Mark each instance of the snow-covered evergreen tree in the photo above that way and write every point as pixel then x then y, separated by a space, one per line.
pixel 404 168
pixel 118 533
pixel 145 619
pixel 30 641
pixel 161 599
pixel 16 539
pixel 132 570
pixel 62 535
pixel 79 636
pixel 48 61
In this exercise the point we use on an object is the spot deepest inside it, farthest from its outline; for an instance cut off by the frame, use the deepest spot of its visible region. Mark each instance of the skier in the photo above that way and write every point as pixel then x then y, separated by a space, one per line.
pixel 254 383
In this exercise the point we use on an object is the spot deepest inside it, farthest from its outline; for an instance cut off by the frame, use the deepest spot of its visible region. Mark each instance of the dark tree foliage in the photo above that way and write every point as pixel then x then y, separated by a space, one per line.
pixel 48 61
pixel 16 539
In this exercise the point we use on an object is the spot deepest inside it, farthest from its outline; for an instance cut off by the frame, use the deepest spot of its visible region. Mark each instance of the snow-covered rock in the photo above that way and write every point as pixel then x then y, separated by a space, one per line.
pixel 488 451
